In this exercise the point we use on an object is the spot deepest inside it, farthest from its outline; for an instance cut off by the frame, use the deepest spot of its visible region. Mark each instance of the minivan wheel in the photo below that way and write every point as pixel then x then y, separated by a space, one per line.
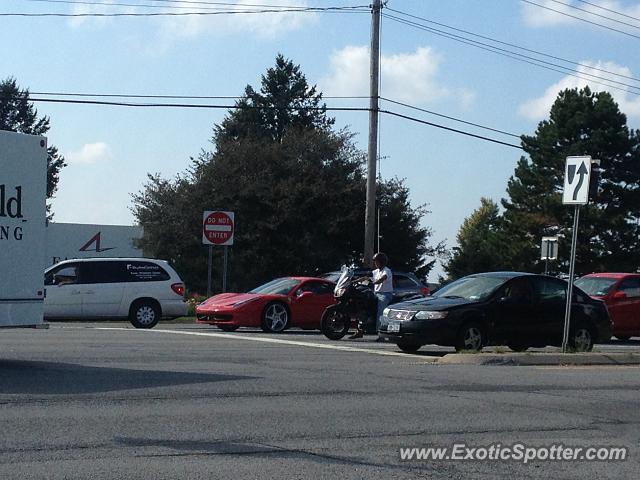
pixel 581 338
pixel 470 337
pixel 144 314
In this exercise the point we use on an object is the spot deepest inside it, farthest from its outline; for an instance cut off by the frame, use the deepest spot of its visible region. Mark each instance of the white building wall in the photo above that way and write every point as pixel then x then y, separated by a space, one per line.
pixel 76 240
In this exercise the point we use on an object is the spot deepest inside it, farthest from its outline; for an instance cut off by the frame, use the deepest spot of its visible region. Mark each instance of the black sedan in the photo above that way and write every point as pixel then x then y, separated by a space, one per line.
pixel 520 310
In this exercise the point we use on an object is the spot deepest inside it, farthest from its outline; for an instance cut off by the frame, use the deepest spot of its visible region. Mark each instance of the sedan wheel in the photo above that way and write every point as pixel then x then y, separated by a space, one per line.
pixel 582 339
pixel 275 318
pixel 470 337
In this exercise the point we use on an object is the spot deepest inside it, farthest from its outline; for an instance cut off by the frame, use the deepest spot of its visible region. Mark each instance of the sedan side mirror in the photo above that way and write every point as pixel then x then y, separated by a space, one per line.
pixel 619 296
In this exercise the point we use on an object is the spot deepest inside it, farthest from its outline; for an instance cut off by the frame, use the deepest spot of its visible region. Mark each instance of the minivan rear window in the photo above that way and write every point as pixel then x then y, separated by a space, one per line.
pixel 122 272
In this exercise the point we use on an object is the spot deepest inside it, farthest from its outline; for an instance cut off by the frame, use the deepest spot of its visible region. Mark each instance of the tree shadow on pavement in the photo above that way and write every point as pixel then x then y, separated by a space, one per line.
pixel 51 378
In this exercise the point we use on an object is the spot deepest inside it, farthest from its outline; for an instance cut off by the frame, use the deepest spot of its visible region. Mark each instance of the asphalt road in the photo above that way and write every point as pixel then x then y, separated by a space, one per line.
pixel 177 403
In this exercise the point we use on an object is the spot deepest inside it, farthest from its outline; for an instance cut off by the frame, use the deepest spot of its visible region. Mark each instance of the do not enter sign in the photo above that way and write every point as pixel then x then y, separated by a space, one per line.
pixel 218 228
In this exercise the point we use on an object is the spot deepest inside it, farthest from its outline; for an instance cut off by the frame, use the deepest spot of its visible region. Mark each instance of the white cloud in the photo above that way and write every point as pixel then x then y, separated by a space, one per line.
pixel 407 77
pixel 545 17
pixel 538 108
pixel 266 25
pixel 169 29
pixel 103 8
pixel 90 153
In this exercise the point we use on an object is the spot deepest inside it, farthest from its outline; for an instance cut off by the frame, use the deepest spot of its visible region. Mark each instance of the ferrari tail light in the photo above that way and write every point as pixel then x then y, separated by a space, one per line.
pixel 178 288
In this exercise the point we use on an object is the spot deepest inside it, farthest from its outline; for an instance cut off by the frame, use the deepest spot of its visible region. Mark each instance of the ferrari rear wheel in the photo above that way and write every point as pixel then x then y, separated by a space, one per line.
pixel 275 317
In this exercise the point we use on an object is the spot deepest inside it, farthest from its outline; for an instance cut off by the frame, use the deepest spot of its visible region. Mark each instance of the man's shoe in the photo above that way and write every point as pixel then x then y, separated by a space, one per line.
pixel 356 335
pixel 381 339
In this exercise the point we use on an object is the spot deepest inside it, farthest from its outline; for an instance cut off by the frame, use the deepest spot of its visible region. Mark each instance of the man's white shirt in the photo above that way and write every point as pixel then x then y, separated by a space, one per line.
pixel 387 285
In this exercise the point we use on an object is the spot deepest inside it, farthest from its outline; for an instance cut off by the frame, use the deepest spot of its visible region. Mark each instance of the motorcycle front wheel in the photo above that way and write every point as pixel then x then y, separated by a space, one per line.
pixel 335 324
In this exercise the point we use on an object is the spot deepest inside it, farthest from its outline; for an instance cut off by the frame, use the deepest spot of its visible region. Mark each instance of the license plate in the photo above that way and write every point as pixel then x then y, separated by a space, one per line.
pixel 393 327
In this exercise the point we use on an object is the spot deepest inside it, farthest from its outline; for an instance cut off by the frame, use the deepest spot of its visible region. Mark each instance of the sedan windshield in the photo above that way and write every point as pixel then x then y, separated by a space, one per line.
pixel 279 286
pixel 471 288
pixel 595 286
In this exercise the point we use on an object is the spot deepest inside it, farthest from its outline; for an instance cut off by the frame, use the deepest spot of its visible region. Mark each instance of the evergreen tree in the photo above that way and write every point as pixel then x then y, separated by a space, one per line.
pixel 296 186
pixel 17 114
pixel 580 123
pixel 481 246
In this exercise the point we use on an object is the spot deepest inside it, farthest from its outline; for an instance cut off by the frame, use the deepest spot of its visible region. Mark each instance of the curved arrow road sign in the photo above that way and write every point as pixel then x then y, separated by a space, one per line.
pixel 576 181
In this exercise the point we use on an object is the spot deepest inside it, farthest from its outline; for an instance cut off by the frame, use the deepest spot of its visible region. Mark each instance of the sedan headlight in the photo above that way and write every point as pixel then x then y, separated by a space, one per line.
pixel 386 311
pixel 427 315
pixel 340 291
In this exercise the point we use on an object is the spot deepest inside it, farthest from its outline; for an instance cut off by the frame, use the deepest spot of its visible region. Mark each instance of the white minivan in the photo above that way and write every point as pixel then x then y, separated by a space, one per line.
pixel 140 289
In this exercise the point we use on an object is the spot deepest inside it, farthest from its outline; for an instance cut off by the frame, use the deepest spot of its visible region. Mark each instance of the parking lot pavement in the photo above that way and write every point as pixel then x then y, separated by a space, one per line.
pixel 368 342
pixel 81 402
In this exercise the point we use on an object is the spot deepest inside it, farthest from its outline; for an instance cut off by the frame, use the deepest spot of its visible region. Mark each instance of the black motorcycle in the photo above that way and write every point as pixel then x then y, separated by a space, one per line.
pixel 355 303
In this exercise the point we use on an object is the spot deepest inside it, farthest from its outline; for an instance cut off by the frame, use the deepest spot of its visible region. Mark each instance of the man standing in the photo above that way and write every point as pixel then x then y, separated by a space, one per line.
pixel 382 285
pixel 383 288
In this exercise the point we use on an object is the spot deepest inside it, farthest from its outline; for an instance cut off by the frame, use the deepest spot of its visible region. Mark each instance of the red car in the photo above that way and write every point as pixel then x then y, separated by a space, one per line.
pixel 277 305
pixel 621 293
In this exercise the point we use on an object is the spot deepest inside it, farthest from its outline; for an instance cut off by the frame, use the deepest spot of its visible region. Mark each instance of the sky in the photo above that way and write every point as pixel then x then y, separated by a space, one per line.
pixel 110 150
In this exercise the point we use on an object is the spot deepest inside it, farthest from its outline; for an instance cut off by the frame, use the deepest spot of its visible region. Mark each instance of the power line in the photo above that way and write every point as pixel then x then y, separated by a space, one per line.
pixel 146 5
pixel 237 97
pixel 178 97
pixel 413 107
pixel 609 10
pixel 455 130
pixel 575 7
pixel 174 4
pixel 519 47
pixel 581 19
pixel 234 107
pixel 350 9
pixel 188 105
pixel 521 57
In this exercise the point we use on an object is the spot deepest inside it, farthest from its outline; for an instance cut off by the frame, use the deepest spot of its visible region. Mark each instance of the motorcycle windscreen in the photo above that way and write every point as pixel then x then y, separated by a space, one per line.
pixel 345 276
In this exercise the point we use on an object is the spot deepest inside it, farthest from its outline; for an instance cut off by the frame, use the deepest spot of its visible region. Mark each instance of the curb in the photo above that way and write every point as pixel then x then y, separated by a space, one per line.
pixel 533 359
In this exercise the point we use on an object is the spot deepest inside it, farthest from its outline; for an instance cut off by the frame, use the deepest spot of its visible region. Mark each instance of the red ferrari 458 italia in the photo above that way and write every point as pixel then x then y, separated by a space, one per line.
pixel 274 306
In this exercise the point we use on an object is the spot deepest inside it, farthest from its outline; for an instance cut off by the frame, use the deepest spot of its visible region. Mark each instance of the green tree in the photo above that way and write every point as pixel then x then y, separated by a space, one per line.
pixel 409 250
pixel 581 122
pixel 295 184
pixel 481 246
pixel 17 114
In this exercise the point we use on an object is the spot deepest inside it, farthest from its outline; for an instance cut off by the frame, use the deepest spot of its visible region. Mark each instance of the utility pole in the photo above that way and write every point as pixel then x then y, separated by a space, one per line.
pixel 372 154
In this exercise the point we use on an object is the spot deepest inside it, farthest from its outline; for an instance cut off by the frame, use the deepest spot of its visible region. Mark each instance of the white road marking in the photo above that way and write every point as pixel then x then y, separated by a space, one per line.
pixel 280 341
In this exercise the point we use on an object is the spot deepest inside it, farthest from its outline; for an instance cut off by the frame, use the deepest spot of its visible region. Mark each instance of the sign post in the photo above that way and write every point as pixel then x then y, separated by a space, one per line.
pixel 209 266
pixel 218 228
pixel 576 192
